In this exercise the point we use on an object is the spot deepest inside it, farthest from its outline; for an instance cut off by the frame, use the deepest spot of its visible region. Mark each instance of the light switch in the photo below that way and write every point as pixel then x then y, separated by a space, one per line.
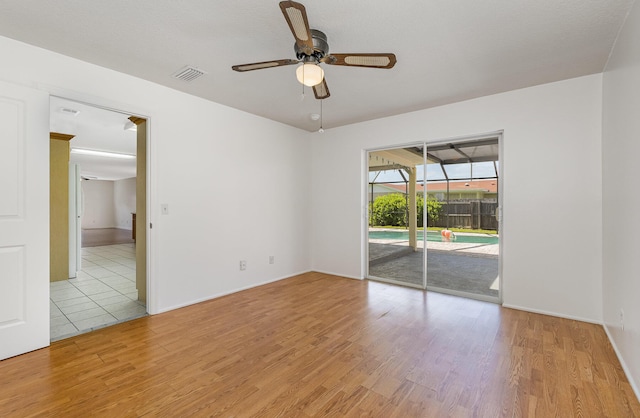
pixel 164 208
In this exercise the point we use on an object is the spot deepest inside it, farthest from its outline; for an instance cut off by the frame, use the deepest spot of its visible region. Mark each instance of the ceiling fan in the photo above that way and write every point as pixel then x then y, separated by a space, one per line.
pixel 311 49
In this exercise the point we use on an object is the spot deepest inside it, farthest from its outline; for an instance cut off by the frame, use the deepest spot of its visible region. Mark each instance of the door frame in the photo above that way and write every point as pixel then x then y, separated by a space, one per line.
pixel 470 138
pixel 365 210
pixel 151 299
pixel 366 214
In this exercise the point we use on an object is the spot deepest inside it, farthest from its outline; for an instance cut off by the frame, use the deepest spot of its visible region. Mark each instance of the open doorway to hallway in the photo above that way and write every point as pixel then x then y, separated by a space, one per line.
pixel 101 286
pixel 438 228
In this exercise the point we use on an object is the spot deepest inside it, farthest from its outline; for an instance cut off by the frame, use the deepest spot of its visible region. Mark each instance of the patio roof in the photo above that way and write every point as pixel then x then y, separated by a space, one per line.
pixel 451 157
pixel 463 152
pixel 488 186
pixel 443 154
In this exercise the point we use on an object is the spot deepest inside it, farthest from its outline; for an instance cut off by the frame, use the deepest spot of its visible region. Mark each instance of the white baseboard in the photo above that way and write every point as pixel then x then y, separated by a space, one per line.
pixel 627 372
pixel 556 314
pixel 218 295
pixel 337 274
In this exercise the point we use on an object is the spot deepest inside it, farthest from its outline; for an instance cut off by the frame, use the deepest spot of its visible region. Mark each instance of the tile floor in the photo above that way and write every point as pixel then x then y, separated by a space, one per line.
pixel 104 293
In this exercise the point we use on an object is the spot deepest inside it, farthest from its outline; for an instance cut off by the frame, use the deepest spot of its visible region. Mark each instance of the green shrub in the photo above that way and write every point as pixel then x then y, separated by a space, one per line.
pixel 391 210
pixel 434 210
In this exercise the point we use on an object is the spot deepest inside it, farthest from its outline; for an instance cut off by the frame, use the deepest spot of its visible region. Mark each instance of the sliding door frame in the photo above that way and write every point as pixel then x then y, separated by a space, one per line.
pixel 466 139
pixel 426 144
pixel 367 215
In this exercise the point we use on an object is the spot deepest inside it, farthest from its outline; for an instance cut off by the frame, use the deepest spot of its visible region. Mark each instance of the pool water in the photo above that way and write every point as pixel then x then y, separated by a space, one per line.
pixel 434 236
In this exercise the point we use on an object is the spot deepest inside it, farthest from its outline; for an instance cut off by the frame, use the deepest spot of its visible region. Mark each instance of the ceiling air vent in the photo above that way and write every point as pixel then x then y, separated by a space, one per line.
pixel 188 73
pixel 68 111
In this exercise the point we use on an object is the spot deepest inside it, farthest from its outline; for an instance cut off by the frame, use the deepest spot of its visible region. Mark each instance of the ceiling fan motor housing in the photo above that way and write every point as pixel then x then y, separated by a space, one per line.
pixel 320 47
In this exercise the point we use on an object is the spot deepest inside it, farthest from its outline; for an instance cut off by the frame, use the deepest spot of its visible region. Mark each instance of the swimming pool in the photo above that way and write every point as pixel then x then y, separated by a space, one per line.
pixel 434 236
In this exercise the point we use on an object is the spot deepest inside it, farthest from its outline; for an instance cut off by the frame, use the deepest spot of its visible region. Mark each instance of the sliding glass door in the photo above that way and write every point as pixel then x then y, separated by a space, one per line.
pixel 433 218
pixel 396 227
pixel 463 195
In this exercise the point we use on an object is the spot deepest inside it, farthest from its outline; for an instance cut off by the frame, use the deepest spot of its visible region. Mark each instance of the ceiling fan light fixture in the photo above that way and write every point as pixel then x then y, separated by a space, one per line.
pixel 310 74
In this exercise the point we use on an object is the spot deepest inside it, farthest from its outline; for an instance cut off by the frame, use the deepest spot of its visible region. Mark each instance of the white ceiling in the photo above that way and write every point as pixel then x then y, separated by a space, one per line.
pixel 447 51
pixel 99 130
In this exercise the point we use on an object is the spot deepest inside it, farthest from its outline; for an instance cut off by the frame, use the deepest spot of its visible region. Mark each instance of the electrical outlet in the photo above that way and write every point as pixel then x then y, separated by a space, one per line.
pixel 243 265
pixel 272 259
pixel 622 318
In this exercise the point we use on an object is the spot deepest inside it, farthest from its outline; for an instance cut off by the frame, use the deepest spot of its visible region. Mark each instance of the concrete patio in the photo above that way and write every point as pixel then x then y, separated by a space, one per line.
pixel 464 267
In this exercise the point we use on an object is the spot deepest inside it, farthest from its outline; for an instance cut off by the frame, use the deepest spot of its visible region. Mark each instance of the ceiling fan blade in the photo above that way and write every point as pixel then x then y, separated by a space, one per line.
pixel 361 60
pixel 296 17
pixel 262 65
pixel 321 91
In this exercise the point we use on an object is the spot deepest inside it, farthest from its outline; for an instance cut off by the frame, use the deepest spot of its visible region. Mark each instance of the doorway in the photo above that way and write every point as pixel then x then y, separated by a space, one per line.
pixel 453 199
pixel 104 289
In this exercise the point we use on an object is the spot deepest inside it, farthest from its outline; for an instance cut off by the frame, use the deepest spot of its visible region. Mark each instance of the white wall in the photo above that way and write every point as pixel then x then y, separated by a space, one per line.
pixel 98 206
pixel 108 204
pixel 621 201
pixel 211 164
pixel 124 199
pixel 552 189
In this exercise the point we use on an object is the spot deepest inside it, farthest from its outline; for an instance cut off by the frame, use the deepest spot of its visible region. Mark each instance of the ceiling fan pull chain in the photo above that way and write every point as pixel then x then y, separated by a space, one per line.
pixel 321 130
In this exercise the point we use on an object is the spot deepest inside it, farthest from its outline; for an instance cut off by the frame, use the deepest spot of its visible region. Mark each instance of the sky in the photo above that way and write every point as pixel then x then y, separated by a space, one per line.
pixel 434 172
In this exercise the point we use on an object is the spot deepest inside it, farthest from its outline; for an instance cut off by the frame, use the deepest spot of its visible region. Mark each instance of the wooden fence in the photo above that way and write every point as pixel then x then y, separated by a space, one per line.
pixel 473 215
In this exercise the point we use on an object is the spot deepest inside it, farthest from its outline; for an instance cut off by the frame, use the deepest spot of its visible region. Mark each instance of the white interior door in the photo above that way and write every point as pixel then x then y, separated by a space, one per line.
pixel 24 220
pixel 75 231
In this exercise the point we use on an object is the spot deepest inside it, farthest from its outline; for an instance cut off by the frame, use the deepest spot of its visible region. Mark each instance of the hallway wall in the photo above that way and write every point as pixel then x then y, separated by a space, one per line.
pixel 99 207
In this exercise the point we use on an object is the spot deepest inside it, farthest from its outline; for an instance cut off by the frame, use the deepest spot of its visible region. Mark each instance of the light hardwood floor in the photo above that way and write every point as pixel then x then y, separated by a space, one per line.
pixel 319 345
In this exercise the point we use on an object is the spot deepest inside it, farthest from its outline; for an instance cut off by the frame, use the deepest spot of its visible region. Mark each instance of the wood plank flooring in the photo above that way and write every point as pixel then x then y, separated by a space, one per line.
pixel 319 345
